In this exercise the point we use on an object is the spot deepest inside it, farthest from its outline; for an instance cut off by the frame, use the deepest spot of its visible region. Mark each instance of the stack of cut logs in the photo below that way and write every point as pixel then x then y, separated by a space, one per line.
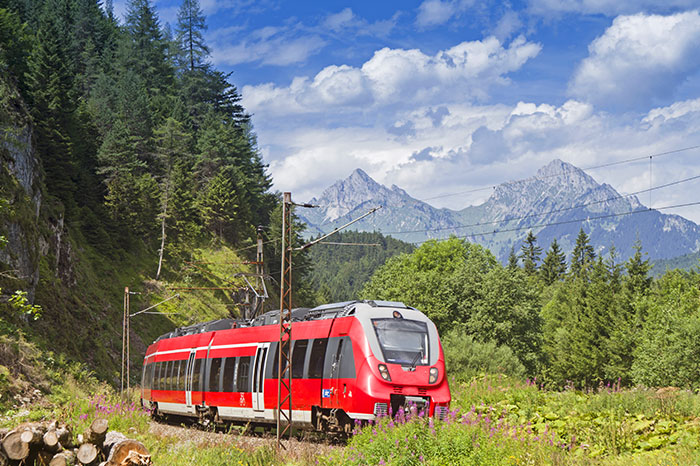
pixel 52 444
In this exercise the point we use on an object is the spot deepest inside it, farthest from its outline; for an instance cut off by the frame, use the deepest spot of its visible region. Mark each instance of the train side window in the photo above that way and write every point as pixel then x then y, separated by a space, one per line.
pixel 347 359
pixel 214 375
pixel 196 387
pixel 243 378
pixel 275 361
pixel 176 375
pixel 229 370
pixel 156 374
pixel 235 374
pixel 338 356
pixel 298 356
pixel 318 355
pixel 159 369
pixel 166 375
pixel 181 379
pixel 149 376
pixel 173 374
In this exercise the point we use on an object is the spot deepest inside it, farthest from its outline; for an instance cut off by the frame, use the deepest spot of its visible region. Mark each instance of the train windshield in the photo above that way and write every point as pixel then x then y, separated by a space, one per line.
pixel 402 341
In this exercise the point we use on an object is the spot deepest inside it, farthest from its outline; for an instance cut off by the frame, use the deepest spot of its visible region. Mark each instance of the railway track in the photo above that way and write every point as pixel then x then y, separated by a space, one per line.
pixel 303 447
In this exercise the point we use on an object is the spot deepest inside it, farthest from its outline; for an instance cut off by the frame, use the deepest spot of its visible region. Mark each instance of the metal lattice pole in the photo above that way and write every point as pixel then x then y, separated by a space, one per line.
pixel 284 373
pixel 260 272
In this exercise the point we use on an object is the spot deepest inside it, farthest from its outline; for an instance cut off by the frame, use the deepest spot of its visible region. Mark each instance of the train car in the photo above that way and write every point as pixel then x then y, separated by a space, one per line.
pixel 351 361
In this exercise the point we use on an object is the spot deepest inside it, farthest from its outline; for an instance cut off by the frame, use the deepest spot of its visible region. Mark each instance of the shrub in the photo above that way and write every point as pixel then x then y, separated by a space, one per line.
pixel 466 357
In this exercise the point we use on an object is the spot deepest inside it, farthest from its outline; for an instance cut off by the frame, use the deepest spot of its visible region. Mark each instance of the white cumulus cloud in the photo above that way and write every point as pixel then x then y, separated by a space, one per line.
pixel 686 108
pixel 639 59
pixel 398 77
pixel 606 7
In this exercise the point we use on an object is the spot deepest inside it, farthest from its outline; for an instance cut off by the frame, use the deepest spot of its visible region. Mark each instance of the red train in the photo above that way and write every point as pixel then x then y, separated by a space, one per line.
pixel 350 361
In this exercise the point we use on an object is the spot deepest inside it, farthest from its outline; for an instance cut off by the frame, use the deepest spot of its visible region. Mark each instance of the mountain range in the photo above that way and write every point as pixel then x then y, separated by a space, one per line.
pixel 555 203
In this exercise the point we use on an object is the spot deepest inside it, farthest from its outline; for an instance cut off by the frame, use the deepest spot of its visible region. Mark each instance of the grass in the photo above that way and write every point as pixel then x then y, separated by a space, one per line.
pixel 496 420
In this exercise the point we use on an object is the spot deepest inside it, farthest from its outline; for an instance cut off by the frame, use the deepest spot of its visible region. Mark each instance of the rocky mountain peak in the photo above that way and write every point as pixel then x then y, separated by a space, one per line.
pixel 344 195
pixel 558 171
pixel 555 203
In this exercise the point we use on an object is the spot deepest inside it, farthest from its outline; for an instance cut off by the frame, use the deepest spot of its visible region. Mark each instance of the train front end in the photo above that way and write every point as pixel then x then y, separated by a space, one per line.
pixel 403 367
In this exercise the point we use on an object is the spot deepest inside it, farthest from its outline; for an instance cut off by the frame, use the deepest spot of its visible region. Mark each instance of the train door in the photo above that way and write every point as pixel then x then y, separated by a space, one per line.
pixel 338 369
pixel 336 366
pixel 188 379
pixel 259 376
pixel 330 397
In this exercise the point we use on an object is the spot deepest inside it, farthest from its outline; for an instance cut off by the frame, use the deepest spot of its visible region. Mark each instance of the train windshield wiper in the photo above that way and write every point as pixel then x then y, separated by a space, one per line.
pixel 418 356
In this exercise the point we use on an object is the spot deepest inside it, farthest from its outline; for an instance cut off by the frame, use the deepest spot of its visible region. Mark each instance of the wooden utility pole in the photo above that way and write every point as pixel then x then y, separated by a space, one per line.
pixel 284 366
pixel 125 341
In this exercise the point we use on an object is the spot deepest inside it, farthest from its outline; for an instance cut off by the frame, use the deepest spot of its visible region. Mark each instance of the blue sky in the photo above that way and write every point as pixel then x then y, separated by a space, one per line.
pixel 444 96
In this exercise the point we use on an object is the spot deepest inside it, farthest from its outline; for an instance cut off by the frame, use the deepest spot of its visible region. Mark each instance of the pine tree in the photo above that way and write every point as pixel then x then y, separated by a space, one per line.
pixel 171 148
pixel 583 255
pixel 109 8
pixel 614 269
pixel 190 27
pixel 52 100
pixel 512 259
pixel 554 264
pixel 638 280
pixel 132 105
pixel 132 193
pixel 15 45
pixel 219 205
pixel 146 53
pixel 530 254
pixel 90 35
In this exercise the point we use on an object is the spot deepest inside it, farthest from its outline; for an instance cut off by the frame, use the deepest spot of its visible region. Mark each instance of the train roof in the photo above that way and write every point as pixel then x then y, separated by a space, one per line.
pixel 326 311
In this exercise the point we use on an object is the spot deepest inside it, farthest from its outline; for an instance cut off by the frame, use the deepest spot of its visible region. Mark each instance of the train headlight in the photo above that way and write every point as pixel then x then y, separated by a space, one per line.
pixel 433 375
pixel 384 372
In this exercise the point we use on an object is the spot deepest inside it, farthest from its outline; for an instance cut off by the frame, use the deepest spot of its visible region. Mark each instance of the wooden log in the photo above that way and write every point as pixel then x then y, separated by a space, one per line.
pixel 64 436
pixel 122 451
pixel 14 447
pixel 3 432
pixel 97 431
pixel 32 435
pixel 87 453
pixel 65 458
pixel 112 438
pixel 51 442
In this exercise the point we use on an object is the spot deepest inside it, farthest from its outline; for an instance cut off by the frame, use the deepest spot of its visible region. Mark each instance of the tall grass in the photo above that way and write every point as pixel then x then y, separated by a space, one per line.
pixel 502 421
